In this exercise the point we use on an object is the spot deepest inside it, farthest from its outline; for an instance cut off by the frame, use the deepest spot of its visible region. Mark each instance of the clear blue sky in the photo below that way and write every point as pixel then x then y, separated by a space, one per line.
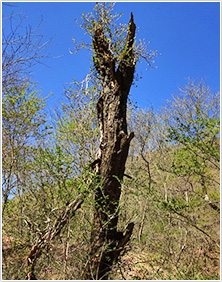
pixel 187 34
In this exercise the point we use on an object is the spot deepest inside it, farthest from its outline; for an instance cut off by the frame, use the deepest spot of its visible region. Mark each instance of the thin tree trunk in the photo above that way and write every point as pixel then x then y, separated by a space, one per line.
pixel 106 242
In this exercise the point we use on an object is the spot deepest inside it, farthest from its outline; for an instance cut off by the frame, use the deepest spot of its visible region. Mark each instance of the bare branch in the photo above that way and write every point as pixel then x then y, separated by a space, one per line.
pixel 20 52
pixel 53 232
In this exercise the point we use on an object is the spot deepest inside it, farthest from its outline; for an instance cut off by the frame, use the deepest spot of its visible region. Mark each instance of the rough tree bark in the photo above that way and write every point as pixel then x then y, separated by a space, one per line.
pixel 106 242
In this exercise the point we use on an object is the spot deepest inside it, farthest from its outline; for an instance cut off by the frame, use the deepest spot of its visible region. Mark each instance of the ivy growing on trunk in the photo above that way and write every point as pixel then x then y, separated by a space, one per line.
pixel 115 53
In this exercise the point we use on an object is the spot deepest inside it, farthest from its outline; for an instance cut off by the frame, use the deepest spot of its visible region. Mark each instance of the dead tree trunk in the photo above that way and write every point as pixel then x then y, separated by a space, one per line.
pixel 106 242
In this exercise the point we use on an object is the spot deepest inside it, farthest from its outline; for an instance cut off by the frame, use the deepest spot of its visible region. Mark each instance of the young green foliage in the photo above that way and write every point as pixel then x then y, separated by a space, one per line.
pixel 115 34
pixel 194 127
pixel 23 127
pixel 76 127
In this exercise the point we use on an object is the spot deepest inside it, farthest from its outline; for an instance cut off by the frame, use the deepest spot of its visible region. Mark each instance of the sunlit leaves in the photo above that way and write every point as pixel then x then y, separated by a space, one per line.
pixel 194 128
pixel 21 110
pixel 23 127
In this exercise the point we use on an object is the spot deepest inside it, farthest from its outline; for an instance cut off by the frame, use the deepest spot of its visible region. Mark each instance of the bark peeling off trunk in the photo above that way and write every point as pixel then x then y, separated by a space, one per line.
pixel 106 241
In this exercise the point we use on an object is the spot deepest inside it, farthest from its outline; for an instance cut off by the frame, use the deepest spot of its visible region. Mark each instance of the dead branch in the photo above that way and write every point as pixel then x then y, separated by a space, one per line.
pixel 51 234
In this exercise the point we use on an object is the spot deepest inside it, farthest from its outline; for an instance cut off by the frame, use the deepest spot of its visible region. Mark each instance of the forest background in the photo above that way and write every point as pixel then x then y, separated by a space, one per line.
pixel 172 189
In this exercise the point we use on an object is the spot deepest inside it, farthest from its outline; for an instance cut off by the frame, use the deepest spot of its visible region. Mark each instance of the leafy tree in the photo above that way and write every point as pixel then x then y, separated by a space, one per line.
pixel 194 127
pixel 191 164
pixel 22 113
pixel 23 124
